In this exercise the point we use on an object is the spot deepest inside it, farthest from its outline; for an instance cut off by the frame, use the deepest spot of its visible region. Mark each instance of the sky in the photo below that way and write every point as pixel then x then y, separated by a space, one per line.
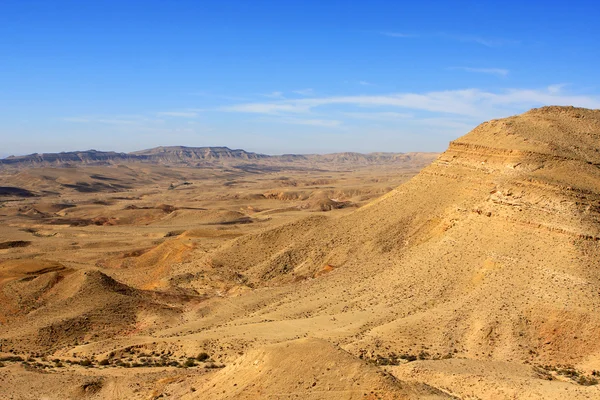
pixel 284 76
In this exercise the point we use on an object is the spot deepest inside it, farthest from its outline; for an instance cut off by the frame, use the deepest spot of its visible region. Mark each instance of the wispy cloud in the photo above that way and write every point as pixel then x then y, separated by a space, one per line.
pixel 218 96
pixel 266 108
pixel 274 95
pixel 304 92
pixel 476 103
pixel 481 40
pixel 398 34
pixel 327 123
pixel 364 83
pixel 378 116
pixel 557 88
pixel 484 41
pixel 491 71
pixel 181 114
pixel 114 120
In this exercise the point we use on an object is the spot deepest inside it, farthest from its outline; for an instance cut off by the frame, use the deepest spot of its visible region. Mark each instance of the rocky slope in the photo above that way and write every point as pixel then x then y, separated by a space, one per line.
pixel 489 253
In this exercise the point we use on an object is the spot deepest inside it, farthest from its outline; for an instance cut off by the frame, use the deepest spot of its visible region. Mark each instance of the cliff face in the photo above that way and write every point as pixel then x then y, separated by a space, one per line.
pixel 163 155
pixel 200 156
pixel 181 154
pixel 65 158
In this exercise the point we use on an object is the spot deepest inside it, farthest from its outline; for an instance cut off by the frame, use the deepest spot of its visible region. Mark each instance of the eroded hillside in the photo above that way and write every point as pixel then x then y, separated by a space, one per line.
pixel 477 278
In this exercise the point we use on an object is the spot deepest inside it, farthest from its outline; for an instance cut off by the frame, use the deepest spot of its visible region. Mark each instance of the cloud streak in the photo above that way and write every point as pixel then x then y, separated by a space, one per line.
pixel 274 95
pixel 114 120
pixel 474 103
pixel 181 114
pixel 490 71
pixel 484 41
pixel 304 92
pixel 480 40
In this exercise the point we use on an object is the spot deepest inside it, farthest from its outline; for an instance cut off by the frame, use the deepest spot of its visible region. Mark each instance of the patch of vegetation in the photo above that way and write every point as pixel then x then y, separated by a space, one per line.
pixel 86 363
pixel 202 357
pixel 214 365
pixel 190 362
pixel 174 233
pixel 568 371
pixel 397 359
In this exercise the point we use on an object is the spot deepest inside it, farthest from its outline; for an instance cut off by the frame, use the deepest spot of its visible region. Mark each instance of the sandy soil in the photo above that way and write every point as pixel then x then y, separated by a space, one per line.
pixel 475 278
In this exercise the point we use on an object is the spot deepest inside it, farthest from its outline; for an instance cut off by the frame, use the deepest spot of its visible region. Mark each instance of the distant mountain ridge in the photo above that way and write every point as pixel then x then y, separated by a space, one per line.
pixel 198 156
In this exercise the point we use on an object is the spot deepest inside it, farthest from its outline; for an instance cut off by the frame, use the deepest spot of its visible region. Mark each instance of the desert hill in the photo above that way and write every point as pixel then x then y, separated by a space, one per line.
pixel 49 306
pixel 490 253
pixel 476 278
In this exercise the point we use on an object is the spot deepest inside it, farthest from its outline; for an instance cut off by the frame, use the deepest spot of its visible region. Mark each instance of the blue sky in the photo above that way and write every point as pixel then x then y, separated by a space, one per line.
pixel 284 76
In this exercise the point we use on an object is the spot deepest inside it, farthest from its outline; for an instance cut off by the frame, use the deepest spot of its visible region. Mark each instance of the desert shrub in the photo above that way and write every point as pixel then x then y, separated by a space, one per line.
pixel 408 357
pixel 202 357
pixel 104 362
pixel 190 362
pixel 1 364
pixel 85 363
pixel 213 365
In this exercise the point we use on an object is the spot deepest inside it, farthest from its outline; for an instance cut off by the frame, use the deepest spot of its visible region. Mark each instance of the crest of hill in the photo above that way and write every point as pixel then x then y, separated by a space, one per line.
pixel 490 252
pixel 557 132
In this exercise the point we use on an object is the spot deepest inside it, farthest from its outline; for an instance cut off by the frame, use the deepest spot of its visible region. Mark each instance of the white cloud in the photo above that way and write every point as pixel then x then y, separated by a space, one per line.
pixel 266 108
pixel 182 114
pixel 114 120
pixel 556 89
pixel 364 83
pixel 274 95
pixel 328 123
pixel 218 96
pixel 491 71
pixel 484 41
pixel 474 103
pixel 304 92
pixel 378 116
